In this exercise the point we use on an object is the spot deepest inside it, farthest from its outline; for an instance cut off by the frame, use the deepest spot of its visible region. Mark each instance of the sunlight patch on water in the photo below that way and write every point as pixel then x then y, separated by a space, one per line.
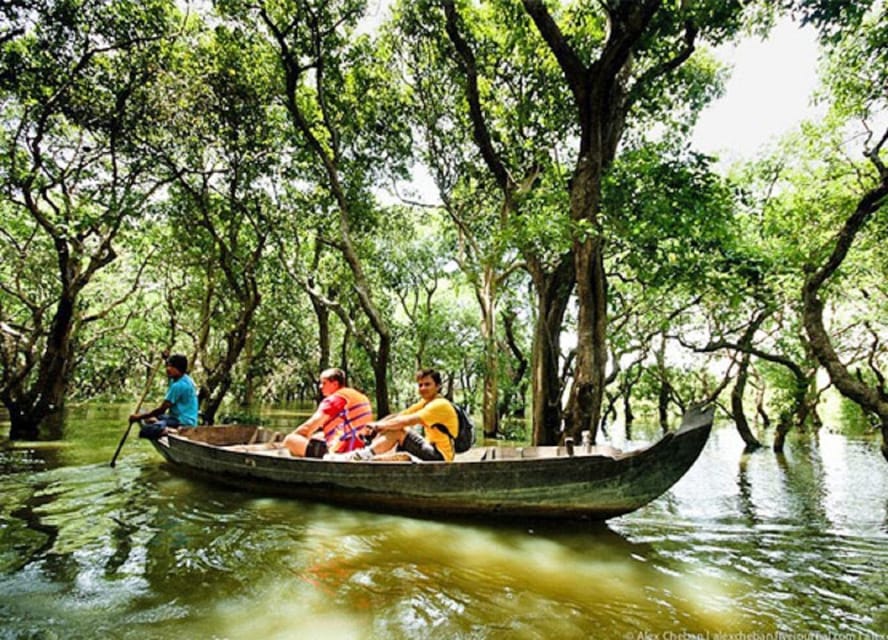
pixel 281 609
pixel 451 570
pixel 379 576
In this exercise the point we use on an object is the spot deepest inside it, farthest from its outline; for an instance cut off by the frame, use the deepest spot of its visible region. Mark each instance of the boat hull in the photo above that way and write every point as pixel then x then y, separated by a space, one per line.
pixel 537 482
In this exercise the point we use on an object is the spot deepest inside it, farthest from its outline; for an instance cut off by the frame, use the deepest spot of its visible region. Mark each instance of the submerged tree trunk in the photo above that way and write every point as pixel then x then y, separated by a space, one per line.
pixel 238 234
pixel 872 399
pixel 219 380
pixel 34 388
pixel 511 189
pixel 664 392
pixel 45 398
pixel 784 425
pixel 305 93
pixel 628 415
pixel 218 383
pixel 737 409
pixel 30 418
pixel 737 392
pixel 68 182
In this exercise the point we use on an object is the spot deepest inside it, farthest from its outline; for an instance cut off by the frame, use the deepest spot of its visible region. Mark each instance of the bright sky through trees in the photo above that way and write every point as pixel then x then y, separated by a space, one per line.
pixel 768 93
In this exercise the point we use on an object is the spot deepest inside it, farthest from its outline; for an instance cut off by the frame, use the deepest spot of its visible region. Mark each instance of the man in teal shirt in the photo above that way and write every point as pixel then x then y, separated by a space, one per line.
pixel 178 409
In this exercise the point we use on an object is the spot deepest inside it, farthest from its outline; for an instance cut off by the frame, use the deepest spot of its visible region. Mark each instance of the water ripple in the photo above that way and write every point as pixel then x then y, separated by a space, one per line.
pixel 742 544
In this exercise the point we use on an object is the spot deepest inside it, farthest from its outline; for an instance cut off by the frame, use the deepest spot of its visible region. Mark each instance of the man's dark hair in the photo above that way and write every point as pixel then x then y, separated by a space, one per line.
pixel 179 361
pixel 335 374
pixel 429 373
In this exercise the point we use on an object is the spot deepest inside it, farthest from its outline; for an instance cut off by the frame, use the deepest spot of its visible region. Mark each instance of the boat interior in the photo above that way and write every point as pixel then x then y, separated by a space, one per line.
pixel 263 441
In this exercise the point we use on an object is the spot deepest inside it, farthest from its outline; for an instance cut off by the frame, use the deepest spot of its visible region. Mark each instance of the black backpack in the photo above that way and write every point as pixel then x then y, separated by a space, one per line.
pixel 465 437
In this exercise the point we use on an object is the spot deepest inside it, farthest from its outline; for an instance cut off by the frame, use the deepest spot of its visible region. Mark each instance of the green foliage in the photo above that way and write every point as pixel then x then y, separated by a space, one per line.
pixel 225 178
pixel 831 18
pixel 781 386
pixel 76 85
pixel 853 420
pixel 242 418
pixel 854 72
pixel 671 221
pixel 684 385
pixel 544 229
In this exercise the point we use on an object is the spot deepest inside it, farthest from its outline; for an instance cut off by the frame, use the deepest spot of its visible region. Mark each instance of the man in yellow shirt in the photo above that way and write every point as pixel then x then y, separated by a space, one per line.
pixel 433 413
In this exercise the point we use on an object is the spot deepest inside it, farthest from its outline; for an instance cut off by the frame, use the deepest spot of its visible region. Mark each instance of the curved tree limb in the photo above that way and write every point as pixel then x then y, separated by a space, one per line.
pixel 869 398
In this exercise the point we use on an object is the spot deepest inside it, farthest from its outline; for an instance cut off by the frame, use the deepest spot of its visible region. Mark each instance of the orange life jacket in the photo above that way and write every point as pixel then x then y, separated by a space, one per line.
pixel 341 431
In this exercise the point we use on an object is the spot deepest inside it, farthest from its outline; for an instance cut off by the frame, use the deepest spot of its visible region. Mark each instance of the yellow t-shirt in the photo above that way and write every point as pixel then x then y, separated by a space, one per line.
pixel 437 411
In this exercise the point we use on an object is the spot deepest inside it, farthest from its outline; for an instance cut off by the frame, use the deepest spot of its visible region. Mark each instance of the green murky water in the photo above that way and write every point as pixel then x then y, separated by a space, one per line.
pixel 742 547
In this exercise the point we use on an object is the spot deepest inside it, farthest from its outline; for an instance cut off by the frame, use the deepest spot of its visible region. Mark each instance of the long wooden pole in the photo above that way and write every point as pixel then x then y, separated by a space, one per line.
pixel 138 407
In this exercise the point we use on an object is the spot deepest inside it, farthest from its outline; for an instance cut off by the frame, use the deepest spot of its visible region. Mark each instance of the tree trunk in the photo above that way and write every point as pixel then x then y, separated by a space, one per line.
pixel 324 145
pixel 807 394
pixel 487 298
pixel 343 356
pixel 513 404
pixel 665 389
pixel 380 375
pixel 592 354
pixel 601 104
pixel 24 422
pixel 249 395
pixel 737 406
pixel 553 294
pixel 219 381
pixel 784 424
pixel 760 408
pixel 44 400
pixel 629 382
pixel 628 415
pixel 322 315
pixel 871 400
pixel 69 172
pixel 737 392
pixel 663 405
pixel 802 408
pixel 884 430
pixel 322 312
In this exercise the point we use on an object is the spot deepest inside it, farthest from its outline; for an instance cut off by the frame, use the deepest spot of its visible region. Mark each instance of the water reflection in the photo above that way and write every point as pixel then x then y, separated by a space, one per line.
pixel 744 491
pixel 744 543
pixel 33 538
pixel 803 553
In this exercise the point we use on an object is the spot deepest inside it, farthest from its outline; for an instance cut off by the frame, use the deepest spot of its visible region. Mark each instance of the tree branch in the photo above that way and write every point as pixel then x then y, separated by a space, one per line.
pixel 664 68
pixel 480 131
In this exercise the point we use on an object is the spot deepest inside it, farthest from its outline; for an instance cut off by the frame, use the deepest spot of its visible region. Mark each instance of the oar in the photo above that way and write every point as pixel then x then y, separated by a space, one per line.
pixel 138 407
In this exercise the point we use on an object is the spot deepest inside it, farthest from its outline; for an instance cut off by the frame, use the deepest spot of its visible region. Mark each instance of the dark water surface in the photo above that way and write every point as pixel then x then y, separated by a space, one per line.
pixel 745 546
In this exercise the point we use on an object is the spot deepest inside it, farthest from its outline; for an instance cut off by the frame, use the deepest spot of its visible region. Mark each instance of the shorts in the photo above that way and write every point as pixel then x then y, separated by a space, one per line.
pixel 316 448
pixel 158 428
pixel 416 445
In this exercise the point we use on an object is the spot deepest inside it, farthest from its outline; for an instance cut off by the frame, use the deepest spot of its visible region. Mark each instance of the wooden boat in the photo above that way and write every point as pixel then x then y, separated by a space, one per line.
pixel 540 482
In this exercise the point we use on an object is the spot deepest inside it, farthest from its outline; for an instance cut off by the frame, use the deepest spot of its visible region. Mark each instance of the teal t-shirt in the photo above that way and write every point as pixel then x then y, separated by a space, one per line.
pixel 182 395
